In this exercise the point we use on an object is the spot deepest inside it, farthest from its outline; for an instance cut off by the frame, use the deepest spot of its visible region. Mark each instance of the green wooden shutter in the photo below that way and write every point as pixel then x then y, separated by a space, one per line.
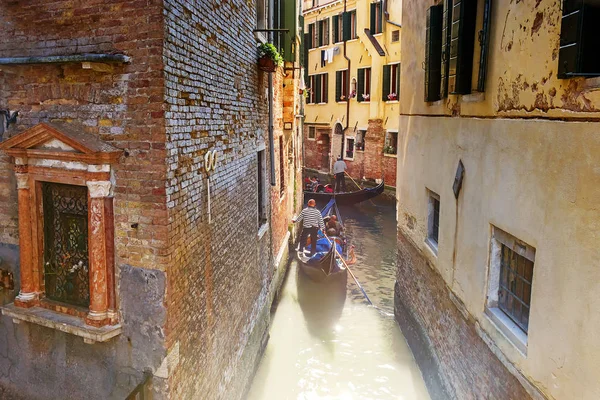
pixel 318 89
pixel 318 34
pixel 380 20
pixel 485 45
pixel 325 95
pixel 433 53
pixel 326 31
pixel 305 46
pixel 311 34
pixel 334 27
pixel 346 30
pixel 446 31
pixel 387 72
pixel 360 85
pixel 372 25
pixel 462 46
pixel 338 85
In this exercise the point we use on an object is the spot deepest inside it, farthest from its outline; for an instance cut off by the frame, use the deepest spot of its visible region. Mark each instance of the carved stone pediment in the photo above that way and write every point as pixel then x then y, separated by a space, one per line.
pixel 62 142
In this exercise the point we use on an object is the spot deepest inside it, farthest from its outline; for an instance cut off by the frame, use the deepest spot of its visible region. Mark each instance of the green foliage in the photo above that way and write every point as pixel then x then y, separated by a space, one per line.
pixel 269 50
pixel 389 150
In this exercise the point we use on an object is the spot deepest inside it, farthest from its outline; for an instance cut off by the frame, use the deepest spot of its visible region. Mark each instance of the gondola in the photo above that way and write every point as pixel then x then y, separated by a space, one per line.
pixel 346 198
pixel 326 262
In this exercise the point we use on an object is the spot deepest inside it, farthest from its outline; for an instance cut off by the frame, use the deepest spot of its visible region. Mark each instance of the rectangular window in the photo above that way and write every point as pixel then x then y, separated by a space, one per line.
pixel 341 85
pixel 360 140
pixel 376 18
pixel 336 26
pixel 391 82
pixel 312 36
pixel 395 36
pixel 281 167
pixel 510 286
pixel 579 40
pixel 312 134
pixel 391 143
pixel 262 185
pixel 433 221
pixel 433 53
pixel 66 261
pixel 462 45
pixel 262 12
pixel 323 27
pixel 364 84
pixel 349 25
pixel 318 85
pixel 349 148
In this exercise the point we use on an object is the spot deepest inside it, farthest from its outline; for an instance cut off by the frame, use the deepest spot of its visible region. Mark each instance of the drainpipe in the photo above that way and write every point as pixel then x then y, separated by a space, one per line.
pixel 348 98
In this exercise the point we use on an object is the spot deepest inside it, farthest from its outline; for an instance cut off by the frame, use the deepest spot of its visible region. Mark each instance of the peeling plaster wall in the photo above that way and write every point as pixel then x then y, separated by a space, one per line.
pixel 522 67
pixel 528 174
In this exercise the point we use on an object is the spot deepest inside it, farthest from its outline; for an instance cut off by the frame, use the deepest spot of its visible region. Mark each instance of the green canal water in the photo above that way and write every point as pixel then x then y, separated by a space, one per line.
pixel 327 342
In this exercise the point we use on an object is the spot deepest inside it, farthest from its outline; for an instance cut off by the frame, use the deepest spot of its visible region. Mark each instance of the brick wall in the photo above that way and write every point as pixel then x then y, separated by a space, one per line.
pixel 122 105
pixel 456 363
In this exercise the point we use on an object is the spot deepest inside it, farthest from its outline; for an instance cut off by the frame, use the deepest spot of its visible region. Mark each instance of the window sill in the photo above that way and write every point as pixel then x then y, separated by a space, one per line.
pixel 341 101
pixel 349 159
pixel 509 329
pixel 312 140
pixel 390 155
pixel 263 229
pixel 391 101
pixel 364 101
pixel 61 322
pixel 433 246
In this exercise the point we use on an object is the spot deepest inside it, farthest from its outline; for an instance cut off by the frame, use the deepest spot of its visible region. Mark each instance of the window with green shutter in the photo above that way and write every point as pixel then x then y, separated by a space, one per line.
pixel 579 40
pixel 433 53
pixel 446 30
pixel 462 45
pixel 311 43
pixel 341 85
pixel 376 18
pixel 387 71
pixel 323 30
pixel 336 26
pixel 318 92
pixel 363 92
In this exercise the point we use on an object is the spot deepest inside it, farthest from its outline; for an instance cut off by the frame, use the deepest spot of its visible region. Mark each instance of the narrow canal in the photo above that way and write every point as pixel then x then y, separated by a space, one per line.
pixel 327 342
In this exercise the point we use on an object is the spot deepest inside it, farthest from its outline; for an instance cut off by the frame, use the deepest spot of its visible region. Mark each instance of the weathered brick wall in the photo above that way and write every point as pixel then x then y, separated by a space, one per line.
pixel 389 165
pixel 374 143
pixel 123 105
pixel 220 272
pixel 314 151
pixel 456 362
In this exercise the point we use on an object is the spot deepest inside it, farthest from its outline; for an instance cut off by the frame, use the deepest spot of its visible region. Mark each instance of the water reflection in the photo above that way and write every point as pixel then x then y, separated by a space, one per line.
pixel 327 342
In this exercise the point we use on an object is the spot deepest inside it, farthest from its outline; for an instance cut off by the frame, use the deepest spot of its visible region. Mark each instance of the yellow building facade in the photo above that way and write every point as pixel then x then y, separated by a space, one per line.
pixel 498 189
pixel 352 53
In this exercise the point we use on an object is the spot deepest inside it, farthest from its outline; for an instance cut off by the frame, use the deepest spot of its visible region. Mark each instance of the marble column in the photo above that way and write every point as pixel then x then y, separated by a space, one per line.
pixel 28 296
pixel 98 315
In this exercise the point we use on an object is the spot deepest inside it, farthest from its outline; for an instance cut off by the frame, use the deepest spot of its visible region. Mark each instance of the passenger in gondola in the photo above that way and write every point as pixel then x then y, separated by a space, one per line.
pixel 314 184
pixel 334 226
pixel 312 221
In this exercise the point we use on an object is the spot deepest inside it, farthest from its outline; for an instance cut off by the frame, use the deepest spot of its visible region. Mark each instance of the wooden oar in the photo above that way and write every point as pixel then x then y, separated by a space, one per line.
pixel 332 242
pixel 357 185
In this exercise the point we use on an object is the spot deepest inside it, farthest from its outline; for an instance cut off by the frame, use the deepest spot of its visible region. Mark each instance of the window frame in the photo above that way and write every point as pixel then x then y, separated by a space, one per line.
pixel 314 130
pixel 362 133
pixel 388 134
pixel 433 230
pixel 344 85
pixel 346 147
pixel 365 85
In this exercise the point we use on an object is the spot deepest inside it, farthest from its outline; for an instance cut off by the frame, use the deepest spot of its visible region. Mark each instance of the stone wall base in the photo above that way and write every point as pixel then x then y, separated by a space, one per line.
pixel 456 363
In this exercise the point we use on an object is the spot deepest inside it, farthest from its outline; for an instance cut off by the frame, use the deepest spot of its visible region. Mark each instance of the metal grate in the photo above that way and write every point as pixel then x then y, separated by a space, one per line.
pixel 66 262
pixel 514 293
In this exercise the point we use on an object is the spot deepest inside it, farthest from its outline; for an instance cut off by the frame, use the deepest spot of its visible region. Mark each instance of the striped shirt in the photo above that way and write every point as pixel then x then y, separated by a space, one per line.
pixel 310 217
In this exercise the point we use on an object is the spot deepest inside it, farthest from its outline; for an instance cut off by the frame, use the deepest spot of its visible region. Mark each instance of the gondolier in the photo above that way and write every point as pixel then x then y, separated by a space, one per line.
pixel 339 169
pixel 312 221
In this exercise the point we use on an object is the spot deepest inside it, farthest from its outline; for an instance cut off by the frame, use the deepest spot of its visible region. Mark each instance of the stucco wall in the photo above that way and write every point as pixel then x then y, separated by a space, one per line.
pixel 538 181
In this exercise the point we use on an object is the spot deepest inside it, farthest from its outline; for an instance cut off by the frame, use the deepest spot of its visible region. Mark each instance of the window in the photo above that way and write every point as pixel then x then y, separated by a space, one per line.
pixel 349 148
pixel 391 82
pixel 395 36
pixel 433 221
pixel 364 84
pixel 349 25
pixel 318 85
pixel 281 167
pixel 391 143
pixel 336 26
pixel 433 53
pixel 510 286
pixel 360 140
pixel 579 40
pixel 262 197
pixel 341 85
pixel 262 13
pixel 376 18
pixel 312 132
pixel 323 32
pixel 312 37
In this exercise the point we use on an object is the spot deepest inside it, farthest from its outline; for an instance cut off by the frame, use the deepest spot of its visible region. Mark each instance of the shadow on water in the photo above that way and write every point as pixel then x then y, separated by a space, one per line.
pixel 321 303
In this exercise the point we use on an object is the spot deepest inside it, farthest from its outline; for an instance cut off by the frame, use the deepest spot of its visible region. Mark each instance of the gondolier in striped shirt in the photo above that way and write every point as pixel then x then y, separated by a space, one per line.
pixel 312 221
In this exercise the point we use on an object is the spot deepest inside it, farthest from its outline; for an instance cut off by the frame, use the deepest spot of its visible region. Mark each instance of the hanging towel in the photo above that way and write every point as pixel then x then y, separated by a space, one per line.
pixel 330 55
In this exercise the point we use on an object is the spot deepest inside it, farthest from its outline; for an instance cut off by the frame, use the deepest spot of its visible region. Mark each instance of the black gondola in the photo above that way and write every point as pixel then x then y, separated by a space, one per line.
pixel 347 198
pixel 326 263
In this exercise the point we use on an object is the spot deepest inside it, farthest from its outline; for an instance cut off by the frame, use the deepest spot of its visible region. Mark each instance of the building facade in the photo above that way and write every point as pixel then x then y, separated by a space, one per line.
pixel 497 193
pixel 142 237
pixel 352 48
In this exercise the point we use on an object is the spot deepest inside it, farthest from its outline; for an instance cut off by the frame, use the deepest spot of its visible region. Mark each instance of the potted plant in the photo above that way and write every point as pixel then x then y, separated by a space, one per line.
pixel 269 58
pixel 366 97
pixel 392 96
pixel 389 150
